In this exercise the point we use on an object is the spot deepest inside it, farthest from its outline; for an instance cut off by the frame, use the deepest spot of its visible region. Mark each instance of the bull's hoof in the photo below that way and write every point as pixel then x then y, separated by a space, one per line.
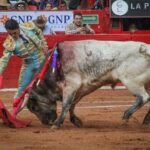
pixel 55 127
pixel 147 118
pixel 126 116
pixel 76 121
pixel 146 121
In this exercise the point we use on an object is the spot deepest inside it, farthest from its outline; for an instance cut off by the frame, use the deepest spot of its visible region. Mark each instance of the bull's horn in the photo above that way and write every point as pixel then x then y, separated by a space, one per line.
pixel 26 98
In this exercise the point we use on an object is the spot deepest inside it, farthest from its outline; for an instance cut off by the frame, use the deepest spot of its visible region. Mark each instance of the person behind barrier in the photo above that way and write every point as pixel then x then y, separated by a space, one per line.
pixel 77 27
pixel 4 5
pixel 55 4
pixel 40 22
pixel 48 6
pixel 62 6
pixel 74 4
pixel 132 28
pixel 27 42
pixel 21 5
pixel 98 4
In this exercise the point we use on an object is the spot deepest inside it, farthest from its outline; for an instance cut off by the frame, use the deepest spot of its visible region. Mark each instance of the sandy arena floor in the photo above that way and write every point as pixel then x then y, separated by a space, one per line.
pixel 103 128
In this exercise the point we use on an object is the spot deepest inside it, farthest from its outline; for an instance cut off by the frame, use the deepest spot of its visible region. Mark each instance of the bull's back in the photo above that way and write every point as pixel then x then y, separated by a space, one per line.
pixel 93 52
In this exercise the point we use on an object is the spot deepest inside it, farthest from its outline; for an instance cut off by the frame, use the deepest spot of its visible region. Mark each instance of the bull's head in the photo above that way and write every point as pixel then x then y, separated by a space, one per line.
pixel 42 101
pixel 42 107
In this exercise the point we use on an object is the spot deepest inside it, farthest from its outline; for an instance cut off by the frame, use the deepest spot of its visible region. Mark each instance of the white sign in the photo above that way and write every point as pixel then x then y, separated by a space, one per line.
pixel 120 7
pixel 57 21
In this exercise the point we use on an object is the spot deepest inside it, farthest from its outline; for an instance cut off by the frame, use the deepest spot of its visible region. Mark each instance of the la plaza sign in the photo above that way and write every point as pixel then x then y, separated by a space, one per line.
pixel 129 8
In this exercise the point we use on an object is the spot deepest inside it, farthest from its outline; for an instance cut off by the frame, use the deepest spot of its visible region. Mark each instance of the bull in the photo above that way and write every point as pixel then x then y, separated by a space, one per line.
pixel 86 66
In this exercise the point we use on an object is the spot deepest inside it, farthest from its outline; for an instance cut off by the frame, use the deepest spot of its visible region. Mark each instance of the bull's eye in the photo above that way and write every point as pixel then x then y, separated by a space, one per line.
pixel 34 108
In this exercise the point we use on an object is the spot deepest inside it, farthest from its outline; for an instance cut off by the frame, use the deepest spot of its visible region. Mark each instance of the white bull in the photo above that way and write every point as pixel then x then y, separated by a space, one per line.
pixel 88 65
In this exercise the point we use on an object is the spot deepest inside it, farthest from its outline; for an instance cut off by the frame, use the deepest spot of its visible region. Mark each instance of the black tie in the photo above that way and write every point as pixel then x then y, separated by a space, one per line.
pixel 23 39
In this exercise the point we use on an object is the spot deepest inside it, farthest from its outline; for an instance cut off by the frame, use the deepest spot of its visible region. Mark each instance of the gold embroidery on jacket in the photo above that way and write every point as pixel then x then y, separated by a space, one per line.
pixel 9 43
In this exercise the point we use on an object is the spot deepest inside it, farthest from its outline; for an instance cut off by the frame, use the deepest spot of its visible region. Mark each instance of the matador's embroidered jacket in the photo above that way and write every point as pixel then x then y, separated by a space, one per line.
pixel 31 39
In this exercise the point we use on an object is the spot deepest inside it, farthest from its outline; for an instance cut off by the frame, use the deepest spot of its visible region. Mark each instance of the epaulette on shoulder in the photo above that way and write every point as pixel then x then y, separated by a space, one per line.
pixel 9 43
pixel 28 25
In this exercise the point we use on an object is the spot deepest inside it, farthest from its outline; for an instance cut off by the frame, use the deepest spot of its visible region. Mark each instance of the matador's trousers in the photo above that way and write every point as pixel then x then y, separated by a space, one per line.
pixel 30 65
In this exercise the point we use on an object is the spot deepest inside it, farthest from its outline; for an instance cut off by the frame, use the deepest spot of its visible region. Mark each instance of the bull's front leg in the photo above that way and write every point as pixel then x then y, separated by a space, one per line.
pixel 73 118
pixel 68 98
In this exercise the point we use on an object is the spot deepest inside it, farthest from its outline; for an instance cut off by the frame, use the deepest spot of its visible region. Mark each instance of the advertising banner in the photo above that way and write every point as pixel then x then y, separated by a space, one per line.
pixel 91 19
pixel 56 20
pixel 129 8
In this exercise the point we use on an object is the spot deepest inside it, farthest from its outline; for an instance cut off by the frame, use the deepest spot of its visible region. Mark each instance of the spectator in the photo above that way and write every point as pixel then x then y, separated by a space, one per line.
pixel 77 27
pixel 55 4
pixel 32 7
pixel 67 2
pixel 28 43
pixel 21 5
pixel 98 4
pixel 37 1
pixel 132 27
pixel 63 5
pixel 4 5
pixel 40 22
pixel 74 4
pixel 33 4
pixel 48 6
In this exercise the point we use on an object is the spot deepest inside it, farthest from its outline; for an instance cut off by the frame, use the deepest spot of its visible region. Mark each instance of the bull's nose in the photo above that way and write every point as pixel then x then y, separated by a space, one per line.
pixel 51 123
pixel 53 118
pixel 45 120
